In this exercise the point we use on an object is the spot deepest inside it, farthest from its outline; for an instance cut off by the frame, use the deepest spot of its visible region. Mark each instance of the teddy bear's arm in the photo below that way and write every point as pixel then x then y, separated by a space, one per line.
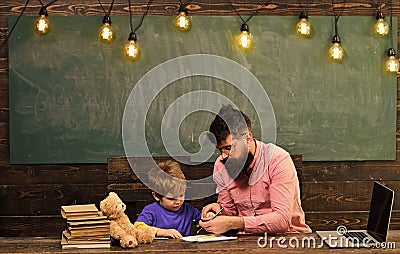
pixel 117 232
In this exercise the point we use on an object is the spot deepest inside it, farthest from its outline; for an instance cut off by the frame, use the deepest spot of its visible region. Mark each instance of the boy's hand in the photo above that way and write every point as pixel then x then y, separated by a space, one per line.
pixel 206 212
pixel 210 214
pixel 173 233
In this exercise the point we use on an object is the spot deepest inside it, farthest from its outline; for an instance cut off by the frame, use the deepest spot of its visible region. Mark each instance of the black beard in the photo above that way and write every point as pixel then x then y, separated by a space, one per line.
pixel 234 166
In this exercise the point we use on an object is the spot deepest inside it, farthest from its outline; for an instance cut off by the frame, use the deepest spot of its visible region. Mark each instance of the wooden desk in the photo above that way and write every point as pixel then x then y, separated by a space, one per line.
pixel 244 244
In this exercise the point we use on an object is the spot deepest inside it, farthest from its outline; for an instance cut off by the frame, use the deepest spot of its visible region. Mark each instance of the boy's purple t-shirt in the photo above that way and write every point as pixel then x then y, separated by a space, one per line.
pixel 157 216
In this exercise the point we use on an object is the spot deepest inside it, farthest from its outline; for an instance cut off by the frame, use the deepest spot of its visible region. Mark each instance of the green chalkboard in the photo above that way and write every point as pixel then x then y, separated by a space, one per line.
pixel 68 90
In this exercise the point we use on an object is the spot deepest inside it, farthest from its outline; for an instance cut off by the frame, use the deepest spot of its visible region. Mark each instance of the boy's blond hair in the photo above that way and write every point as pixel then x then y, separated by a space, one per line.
pixel 162 184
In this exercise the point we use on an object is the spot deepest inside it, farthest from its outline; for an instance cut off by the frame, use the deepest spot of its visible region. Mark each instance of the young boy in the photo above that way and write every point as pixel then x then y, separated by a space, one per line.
pixel 169 216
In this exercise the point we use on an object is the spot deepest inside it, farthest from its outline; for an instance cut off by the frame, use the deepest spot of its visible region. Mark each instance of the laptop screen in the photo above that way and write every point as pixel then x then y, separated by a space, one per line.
pixel 380 210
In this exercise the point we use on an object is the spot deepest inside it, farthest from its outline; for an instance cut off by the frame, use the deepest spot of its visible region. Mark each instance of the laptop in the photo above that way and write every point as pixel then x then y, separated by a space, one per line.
pixel 377 227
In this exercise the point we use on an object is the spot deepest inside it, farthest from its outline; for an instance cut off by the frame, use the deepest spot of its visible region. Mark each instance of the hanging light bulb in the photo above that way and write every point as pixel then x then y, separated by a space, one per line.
pixel 42 24
pixel 392 65
pixel 182 21
pixel 336 52
pixel 245 38
pixel 303 27
pixel 132 50
pixel 381 27
pixel 106 33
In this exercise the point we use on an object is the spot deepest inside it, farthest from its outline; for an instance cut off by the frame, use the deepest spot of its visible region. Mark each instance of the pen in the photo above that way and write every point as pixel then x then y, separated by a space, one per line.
pixel 215 215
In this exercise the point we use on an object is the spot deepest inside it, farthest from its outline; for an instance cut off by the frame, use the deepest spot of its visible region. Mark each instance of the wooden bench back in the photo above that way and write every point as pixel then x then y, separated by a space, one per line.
pixel 122 180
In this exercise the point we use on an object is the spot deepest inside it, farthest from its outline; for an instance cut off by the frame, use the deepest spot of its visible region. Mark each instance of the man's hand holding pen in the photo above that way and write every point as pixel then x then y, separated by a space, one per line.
pixel 221 223
pixel 209 216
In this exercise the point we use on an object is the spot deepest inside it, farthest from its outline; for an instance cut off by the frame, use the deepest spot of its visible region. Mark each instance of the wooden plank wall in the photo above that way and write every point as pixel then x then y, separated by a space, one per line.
pixel 122 180
pixel 31 195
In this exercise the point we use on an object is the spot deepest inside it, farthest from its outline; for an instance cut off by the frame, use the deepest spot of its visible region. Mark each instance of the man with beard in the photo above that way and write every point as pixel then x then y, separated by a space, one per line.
pixel 257 185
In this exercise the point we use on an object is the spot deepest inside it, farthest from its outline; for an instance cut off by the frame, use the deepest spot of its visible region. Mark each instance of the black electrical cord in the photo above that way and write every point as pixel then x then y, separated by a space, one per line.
pixel 391 25
pixel 144 15
pixel 251 16
pixel 15 24
pixel 109 9
pixel 302 7
pixel 336 16
pixel 47 5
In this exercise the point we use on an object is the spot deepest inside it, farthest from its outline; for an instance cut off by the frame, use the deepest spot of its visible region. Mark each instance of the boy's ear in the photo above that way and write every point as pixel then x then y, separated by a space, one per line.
pixel 155 196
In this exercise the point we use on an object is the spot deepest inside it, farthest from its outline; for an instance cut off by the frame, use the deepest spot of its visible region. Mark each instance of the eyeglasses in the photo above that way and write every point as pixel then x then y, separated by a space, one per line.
pixel 227 149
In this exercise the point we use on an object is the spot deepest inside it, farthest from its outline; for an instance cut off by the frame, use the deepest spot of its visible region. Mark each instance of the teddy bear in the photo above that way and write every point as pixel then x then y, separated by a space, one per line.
pixel 121 228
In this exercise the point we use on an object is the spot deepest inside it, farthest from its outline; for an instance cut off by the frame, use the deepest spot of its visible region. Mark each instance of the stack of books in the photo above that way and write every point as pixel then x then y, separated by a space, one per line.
pixel 86 227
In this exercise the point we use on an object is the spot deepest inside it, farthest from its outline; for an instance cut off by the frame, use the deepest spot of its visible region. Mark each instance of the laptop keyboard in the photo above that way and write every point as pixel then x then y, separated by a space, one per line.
pixel 360 236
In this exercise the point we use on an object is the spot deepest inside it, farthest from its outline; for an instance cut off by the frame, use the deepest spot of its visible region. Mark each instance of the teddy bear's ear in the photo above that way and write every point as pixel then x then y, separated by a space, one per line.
pixel 103 204
pixel 113 194
pixel 105 207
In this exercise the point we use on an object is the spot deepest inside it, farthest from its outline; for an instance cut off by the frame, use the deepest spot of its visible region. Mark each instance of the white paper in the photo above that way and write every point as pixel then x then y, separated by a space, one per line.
pixel 207 238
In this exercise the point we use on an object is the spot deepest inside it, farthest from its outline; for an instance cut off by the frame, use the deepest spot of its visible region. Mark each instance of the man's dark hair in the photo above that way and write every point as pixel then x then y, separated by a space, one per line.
pixel 229 121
